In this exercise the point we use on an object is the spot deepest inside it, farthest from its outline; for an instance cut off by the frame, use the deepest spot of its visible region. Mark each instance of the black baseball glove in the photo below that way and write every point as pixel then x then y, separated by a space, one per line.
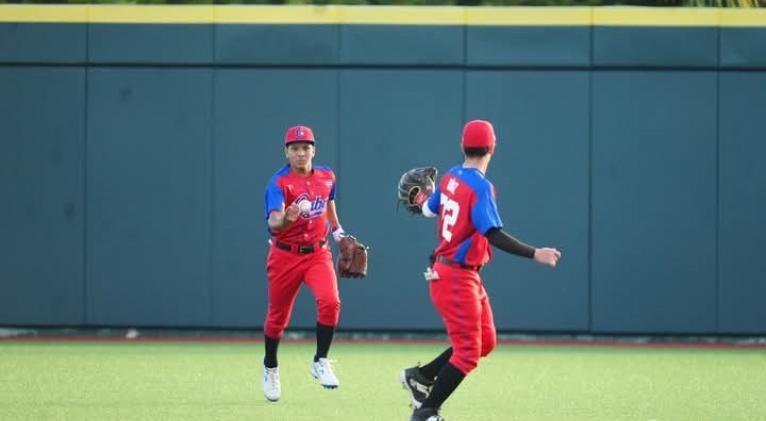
pixel 415 186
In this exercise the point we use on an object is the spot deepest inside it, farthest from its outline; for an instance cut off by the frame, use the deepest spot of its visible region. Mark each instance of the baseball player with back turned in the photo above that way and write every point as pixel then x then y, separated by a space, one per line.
pixel 300 209
pixel 468 222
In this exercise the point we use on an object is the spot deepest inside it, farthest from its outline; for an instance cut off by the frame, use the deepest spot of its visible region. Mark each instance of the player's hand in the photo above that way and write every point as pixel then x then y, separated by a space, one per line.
pixel 420 196
pixel 291 213
pixel 547 256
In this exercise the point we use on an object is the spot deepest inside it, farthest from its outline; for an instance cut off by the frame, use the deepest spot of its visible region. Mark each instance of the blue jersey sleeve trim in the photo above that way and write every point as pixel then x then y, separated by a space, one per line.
pixel 274 198
pixel 434 201
pixel 484 214
pixel 327 169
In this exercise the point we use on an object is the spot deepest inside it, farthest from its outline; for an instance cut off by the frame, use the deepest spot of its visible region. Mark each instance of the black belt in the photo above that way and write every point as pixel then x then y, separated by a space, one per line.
pixel 299 248
pixel 450 262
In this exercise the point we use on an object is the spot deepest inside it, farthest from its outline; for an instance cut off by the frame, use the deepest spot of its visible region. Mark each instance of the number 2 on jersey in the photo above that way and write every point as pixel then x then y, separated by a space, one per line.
pixel 450 211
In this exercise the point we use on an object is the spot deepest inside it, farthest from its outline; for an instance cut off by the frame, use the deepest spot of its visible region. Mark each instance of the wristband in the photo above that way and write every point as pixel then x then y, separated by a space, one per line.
pixel 338 233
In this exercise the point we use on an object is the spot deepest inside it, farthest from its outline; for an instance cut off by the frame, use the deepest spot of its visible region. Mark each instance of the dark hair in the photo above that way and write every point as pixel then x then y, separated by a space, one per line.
pixel 299 142
pixel 475 152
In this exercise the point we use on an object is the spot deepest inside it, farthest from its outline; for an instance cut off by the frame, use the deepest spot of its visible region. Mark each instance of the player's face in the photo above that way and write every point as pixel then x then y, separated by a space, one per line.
pixel 300 155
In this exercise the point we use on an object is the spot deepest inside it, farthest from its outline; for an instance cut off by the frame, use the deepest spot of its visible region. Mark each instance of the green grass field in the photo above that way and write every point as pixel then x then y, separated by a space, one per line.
pixel 221 381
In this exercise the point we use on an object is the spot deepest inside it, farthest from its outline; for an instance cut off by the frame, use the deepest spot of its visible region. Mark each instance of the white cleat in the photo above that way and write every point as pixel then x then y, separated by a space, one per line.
pixel 272 389
pixel 322 371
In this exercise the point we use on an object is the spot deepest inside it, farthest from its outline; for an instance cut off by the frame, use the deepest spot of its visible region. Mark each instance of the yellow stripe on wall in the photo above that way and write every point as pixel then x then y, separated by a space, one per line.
pixel 537 16
pixel 150 14
pixel 277 14
pixel 386 15
pixel 651 16
pixel 43 14
pixel 743 17
pixel 402 15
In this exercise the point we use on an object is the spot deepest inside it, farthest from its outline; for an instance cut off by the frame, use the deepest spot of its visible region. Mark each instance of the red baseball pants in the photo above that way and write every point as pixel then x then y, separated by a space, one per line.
pixel 463 304
pixel 286 271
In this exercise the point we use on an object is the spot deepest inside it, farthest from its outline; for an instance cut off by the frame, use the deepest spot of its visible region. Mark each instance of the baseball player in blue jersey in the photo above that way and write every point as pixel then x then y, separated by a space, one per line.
pixel 468 222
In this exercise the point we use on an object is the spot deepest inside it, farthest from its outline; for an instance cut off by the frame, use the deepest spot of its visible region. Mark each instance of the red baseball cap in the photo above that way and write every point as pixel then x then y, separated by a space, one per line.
pixel 479 134
pixel 299 134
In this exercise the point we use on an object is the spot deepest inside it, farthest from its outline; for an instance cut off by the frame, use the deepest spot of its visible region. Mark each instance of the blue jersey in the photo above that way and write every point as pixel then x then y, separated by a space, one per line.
pixel 465 203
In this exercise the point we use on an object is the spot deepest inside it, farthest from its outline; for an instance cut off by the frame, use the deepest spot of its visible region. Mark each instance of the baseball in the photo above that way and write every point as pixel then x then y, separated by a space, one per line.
pixel 304 206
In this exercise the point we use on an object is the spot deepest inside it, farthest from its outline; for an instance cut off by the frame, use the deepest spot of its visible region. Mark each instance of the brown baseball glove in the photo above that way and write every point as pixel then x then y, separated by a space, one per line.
pixel 352 258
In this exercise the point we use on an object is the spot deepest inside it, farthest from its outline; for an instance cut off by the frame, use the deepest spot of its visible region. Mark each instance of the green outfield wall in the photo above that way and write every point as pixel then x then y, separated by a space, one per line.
pixel 136 143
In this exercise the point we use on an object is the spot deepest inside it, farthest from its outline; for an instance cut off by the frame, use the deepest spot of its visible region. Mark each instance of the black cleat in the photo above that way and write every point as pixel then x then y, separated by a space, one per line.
pixel 417 385
pixel 426 414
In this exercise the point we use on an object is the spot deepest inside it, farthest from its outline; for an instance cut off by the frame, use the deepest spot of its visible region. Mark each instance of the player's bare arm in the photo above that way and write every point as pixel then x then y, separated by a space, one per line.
pixel 332 218
pixel 332 214
pixel 506 242
pixel 283 218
